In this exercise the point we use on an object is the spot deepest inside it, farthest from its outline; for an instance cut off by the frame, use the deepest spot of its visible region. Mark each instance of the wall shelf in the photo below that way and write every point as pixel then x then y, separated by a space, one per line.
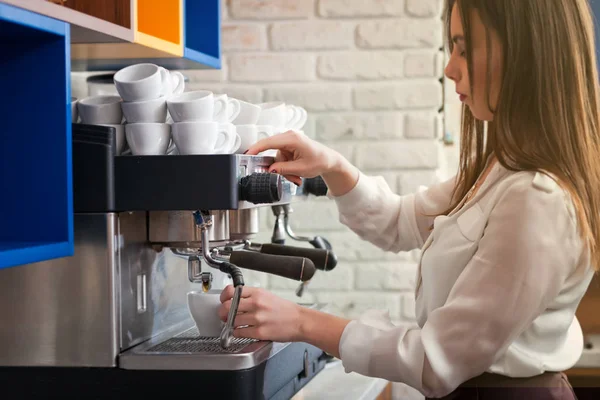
pixel 156 33
pixel 36 211
pixel 41 43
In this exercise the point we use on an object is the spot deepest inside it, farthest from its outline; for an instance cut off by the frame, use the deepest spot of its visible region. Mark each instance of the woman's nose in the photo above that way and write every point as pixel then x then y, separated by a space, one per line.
pixel 451 71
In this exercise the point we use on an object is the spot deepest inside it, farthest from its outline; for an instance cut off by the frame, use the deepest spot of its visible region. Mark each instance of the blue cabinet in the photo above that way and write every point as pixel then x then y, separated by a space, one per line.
pixel 36 211
pixel 202 32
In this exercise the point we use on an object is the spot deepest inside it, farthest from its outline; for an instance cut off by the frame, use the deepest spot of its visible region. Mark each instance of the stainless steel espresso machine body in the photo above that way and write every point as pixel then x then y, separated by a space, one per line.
pixel 114 320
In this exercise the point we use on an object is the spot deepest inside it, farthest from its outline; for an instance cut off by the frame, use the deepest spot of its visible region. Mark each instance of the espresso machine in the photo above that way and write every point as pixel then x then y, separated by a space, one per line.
pixel 113 319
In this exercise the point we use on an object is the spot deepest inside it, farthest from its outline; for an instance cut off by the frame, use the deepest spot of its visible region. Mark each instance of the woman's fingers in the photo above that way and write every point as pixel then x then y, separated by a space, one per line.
pixel 227 293
pixel 245 305
pixel 249 332
pixel 296 167
pixel 246 319
pixel 282 141
pixel 294 178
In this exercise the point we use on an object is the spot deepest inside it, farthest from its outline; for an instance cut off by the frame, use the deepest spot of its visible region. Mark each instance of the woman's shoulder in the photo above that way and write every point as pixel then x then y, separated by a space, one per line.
pixel 536 189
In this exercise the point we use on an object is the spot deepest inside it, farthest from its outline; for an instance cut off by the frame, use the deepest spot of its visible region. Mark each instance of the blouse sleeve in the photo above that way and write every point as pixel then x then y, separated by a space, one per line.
pixel 389 221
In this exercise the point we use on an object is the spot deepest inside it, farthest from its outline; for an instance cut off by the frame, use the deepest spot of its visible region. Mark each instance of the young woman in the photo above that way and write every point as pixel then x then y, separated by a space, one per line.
pixel 509 244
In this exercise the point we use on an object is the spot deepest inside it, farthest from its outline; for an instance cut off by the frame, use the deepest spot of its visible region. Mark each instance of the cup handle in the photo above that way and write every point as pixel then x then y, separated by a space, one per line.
pixel 165 81
pixel 179 88
pixel 302 119
pixel 293 116
pixel 235 109
pixel 220 108
pixel 263 135
pixel 224 147
pixel 171 148
pixel 237 144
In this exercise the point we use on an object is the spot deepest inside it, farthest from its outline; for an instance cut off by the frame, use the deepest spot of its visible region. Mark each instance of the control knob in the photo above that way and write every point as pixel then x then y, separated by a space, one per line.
pixel 260 188
pixel 315 186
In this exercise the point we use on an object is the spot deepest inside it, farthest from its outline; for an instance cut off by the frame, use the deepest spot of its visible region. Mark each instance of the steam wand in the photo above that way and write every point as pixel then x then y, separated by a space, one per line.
pixel 204 221
pixel 282 224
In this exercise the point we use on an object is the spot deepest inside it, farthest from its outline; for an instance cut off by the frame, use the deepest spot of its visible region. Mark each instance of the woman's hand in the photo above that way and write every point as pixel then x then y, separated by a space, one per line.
pixel 301 157
pixel 262 315
pixel 298 156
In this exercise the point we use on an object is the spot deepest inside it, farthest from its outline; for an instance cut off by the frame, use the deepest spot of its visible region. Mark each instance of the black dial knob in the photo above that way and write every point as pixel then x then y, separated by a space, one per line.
pixel 315 186
pixel 260 188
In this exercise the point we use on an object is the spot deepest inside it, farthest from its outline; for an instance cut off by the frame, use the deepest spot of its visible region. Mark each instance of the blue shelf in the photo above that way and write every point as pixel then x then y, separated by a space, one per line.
pixel 202 32
pixel 36 210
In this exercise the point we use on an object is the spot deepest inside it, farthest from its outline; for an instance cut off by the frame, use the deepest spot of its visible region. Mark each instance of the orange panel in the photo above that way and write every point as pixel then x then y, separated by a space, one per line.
pixel 160 18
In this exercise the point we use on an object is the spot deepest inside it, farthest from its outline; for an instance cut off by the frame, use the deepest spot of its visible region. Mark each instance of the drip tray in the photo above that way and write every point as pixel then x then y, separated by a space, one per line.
pixel 189 351
pixel 191 342
pixel 184 349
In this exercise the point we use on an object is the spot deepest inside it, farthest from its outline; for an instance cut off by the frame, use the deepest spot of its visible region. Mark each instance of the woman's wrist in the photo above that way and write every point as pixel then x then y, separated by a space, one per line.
pixel 321 330
pixel 341 176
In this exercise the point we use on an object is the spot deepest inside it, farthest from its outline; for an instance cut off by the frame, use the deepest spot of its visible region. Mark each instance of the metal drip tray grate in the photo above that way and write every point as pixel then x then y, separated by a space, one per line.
pixel 190 342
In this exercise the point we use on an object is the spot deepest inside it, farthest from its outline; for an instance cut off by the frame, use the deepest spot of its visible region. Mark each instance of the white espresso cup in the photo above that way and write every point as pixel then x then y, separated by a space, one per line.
pixel 263 132
pixel 201 137
pixel 248 136
pixel 149 138
pixel 204 309
pixel 154 110
pixel 231 111
pixel 233 138
pixel 282 116
pixel 104 109
pixel 248 115
pixel 120 136
pixel 272 113
pixel 147 81
pixel 198 105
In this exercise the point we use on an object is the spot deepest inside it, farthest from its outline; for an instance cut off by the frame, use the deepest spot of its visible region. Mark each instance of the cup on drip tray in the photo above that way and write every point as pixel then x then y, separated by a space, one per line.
pixel 204 308
pixel 202 123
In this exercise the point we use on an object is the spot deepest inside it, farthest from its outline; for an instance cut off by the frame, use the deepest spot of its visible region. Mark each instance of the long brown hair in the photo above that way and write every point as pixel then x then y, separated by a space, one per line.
pixel 547 116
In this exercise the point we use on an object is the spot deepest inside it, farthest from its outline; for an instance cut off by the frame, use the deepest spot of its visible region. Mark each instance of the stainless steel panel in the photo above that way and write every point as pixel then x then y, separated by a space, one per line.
pixel 153 285
pixel 179 229
pixel 63 312
pixel 243 224
pixel 197 353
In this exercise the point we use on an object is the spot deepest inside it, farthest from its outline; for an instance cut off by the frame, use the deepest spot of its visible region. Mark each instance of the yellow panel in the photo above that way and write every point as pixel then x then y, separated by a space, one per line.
pixel 155 43
pixel 161 19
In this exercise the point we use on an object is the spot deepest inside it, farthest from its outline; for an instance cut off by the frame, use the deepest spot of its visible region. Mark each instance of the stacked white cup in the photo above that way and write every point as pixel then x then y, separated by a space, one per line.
pixel 145 89
pixel 277 117
pixel 245 124
pixel 101 110
pixel 202 122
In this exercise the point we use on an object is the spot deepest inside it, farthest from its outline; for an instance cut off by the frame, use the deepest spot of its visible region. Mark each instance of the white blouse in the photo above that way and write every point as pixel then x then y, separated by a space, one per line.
pixel 499 281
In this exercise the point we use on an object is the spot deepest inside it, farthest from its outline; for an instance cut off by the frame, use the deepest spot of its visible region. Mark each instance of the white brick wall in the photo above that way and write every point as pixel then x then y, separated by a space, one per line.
pixel 369 74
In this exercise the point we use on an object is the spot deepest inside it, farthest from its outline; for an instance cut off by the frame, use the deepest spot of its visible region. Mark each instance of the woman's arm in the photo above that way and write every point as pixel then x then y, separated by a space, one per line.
pixel 530 246
pixel 366 205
